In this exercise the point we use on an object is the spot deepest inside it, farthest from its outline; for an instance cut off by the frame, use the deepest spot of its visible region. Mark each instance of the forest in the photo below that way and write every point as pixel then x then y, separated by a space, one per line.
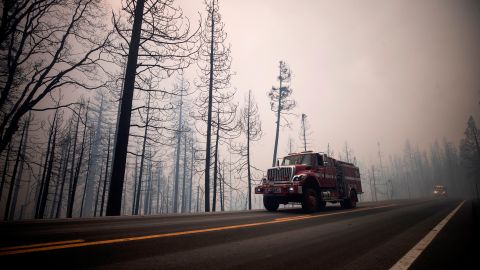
pixel 133 112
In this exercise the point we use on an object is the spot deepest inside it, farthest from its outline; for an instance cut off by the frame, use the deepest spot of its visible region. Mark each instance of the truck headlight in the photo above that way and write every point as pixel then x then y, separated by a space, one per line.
pixel 290 189
pixel 298 177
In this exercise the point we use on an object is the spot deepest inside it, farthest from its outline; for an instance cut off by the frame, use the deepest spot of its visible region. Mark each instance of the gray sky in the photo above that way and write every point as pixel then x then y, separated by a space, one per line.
pixel 363 71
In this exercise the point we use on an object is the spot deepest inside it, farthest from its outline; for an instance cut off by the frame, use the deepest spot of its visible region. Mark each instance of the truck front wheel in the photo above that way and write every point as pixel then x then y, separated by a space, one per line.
pixel 271 204
pixel 311 200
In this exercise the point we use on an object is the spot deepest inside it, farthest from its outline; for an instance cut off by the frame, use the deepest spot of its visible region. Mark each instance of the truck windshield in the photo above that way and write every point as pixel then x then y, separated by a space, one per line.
pixel 297 159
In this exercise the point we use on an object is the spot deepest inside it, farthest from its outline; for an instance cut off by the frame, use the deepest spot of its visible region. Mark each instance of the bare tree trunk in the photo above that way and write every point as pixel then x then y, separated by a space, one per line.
pixel 72 165
pixel 278 121
pixel 62 163
pixel 5 169
pixel 142 159
pixel 98 190
pixel 304 135
pixel 73 189
pixel 215 164
pixel 135 179
pixel 222 186
pixel 177 159
pixel 148 185
pixel 106 175
pixel 47 156
pixel 82 204
pixel 168 193
pixel 248 153
pixel 124 209
pixel 159 174
pixel 37 188
pixel 198 195
pixel 22 162
pixel 44 195
pixel 191 180
pixel 64 178
pixel 14 174
pixel 57 188
pixel 119 161
pixel 90 191
pixel 209 119
pixel 184 176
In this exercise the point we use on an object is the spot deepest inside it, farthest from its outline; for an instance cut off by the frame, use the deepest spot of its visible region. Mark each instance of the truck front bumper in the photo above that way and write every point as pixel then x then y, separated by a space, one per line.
pixel 284 189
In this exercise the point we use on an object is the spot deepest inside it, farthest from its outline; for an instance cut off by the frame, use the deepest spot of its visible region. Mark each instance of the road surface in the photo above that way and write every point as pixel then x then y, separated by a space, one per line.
pixel 372 236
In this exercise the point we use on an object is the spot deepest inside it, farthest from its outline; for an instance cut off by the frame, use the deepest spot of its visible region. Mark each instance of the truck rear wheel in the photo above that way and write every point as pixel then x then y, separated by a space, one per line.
pixel 351 201
pixel 311 200
pixel 271 204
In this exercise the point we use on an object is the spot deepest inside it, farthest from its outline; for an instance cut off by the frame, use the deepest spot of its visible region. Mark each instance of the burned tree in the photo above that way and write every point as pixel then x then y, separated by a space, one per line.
pixel 142 155
pixel 470 153
pixel 280 101
pixel 48 45
pixel 159 42
pixel 48 168
pixel 76 174
pixel 305 133
pixel 214 64
pixel 251 127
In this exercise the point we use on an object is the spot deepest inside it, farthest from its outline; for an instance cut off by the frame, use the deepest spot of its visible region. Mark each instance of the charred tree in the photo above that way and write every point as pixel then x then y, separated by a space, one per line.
pixel 82 203
pixel 38 54
pixel 142 157
pixel 167 46
pixel 470 154
pixel 177 154
pixel 105 179
pixel 280 101
pixel 73 188
pixel 20 169
pixel 14 174
pixel 5 169
pixel 64 175
pixel 184 175
pixel 215 74
pixel 252 129
pixel 48 173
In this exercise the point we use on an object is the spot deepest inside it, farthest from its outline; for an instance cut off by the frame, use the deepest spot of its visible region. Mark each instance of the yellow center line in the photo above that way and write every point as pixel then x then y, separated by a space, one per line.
pixel 294 217
pixel 43 244
pixel 163 235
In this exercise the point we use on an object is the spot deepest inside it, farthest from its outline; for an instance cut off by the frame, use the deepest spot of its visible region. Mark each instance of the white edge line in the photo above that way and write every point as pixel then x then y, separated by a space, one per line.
pixel 406 261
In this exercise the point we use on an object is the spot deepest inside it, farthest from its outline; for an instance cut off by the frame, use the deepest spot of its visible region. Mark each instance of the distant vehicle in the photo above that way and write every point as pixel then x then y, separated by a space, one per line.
pixel 312 179
pixel 439 190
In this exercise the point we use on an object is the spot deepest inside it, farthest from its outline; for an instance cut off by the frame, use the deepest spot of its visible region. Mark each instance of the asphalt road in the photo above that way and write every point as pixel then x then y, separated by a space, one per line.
pixel 372 236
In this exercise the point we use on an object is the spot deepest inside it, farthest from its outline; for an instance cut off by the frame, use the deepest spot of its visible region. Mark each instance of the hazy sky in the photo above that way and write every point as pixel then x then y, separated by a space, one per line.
pixel 363 71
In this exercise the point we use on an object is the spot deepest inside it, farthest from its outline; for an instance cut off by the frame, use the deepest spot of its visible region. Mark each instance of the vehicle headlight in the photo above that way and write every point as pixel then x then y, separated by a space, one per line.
pixel 298 177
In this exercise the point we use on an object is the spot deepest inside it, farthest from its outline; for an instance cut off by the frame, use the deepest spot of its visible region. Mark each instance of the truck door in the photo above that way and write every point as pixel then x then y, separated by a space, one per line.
pixel 329 171
pixel 325 172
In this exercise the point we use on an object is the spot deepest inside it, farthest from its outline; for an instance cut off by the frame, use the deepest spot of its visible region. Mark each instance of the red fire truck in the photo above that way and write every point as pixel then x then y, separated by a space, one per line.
pixel 312 179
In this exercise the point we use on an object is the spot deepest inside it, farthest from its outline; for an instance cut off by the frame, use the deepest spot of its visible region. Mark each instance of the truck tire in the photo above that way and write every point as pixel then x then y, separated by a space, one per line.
pixel 311 200
pixel 351 201
pixel 271 204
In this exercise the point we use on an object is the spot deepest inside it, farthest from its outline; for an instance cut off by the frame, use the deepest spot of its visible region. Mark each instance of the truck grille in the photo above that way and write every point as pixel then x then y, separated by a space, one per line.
pixel 280 174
